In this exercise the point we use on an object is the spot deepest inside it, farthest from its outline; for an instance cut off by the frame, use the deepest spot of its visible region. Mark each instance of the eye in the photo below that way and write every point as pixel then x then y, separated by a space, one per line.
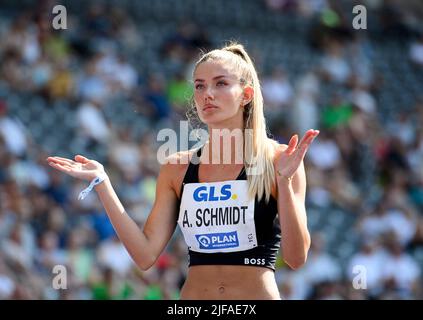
pixel 221 83
pixel 199 86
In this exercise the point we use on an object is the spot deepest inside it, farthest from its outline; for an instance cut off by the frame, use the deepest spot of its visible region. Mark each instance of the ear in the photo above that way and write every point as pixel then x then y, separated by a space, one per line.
pixel 248 95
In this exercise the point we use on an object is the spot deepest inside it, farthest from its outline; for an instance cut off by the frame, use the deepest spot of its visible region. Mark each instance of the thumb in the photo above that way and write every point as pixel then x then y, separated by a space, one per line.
pixel 81 159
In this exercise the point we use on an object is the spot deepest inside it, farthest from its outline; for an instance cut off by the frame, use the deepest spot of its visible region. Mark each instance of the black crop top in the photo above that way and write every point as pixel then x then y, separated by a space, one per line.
pixel 222 226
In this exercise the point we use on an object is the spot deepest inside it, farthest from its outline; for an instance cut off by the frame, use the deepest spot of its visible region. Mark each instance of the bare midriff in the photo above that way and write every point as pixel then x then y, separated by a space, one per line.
pixel 215 282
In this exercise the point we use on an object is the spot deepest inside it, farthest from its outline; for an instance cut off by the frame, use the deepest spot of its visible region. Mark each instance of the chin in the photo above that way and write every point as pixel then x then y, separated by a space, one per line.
pixel 219 119
pixel 211 119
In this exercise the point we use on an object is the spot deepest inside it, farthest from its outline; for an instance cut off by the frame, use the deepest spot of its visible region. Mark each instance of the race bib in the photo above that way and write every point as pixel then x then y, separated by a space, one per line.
pixel 217 217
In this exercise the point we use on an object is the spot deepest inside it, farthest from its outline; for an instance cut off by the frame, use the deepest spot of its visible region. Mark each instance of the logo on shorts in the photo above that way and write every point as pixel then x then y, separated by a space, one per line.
pixel 218 240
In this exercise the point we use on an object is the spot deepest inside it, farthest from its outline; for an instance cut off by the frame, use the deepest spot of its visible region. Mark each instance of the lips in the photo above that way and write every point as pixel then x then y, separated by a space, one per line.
pixel 209 107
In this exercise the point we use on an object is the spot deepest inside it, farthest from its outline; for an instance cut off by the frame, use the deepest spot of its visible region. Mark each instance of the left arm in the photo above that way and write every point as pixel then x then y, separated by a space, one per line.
pixel 293 219
pixel 291 190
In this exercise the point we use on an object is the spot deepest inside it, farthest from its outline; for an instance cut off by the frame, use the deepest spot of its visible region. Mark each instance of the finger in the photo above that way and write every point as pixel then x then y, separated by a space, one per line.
pixel 308 139
pixel 62 162
pixel 302 150
pixel 81 159
pixel 292 144
pixel 61 159
pixel 306 136
pixel 61 167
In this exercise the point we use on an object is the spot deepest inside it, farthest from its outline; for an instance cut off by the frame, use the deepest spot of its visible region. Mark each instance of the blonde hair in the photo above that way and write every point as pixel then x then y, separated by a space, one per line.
pixel 258 148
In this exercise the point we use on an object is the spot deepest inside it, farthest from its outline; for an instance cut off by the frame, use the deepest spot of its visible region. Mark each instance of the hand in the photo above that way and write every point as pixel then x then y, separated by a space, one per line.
pixel 288 161
pixel 81 168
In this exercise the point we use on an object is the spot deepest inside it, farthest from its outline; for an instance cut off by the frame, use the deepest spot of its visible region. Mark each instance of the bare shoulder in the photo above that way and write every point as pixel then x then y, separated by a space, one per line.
pixel 175 167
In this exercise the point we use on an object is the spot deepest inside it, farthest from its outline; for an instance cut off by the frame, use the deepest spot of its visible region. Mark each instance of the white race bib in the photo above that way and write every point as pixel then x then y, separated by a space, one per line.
pixel 217 217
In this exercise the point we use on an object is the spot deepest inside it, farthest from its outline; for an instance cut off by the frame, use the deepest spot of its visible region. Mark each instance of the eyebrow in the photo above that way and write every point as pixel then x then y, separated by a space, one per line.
pixel 217 77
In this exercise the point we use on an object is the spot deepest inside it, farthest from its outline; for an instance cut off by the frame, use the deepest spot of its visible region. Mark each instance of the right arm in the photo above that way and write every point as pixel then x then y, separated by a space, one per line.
pixel 146 245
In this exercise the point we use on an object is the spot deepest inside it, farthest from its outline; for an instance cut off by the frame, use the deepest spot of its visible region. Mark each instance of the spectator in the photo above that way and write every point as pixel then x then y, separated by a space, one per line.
pixel 334 66
pixel 416 51
pixel 325 153
pixel 366 265
pixel 277 92
pixel 92 122
pixel 400 273
pixel 304 112
pixel 13 132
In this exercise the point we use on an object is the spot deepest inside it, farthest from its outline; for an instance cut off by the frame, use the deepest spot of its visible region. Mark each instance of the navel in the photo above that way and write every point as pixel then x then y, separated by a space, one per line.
pixel 221 288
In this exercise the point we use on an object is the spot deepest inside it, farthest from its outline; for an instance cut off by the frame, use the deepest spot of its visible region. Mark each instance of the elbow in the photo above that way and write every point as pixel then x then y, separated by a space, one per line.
pixel 144 266
pixel 145 263
pixel 295 263
pixel 295 259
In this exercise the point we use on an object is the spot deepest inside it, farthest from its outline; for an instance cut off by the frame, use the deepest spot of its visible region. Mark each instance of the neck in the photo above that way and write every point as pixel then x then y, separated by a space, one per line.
pixel 223 150
pixel 225 145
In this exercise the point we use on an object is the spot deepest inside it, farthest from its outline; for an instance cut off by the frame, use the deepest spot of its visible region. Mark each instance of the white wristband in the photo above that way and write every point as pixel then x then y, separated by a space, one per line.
pixel 97 180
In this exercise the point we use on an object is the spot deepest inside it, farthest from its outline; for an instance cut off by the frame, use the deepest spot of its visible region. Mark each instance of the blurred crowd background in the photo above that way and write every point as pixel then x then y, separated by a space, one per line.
pixel 121 71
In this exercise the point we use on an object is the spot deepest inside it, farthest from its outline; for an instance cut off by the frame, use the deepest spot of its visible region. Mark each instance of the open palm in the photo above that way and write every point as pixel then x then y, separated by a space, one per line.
pixel 288 161
pixel 81 168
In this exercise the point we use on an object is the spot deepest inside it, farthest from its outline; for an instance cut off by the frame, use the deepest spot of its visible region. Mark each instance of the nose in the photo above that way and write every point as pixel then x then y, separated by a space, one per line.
pixel 208 94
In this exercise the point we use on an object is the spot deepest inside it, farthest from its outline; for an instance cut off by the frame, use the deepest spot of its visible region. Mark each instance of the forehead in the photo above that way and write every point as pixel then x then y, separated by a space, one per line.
pixel 213 68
